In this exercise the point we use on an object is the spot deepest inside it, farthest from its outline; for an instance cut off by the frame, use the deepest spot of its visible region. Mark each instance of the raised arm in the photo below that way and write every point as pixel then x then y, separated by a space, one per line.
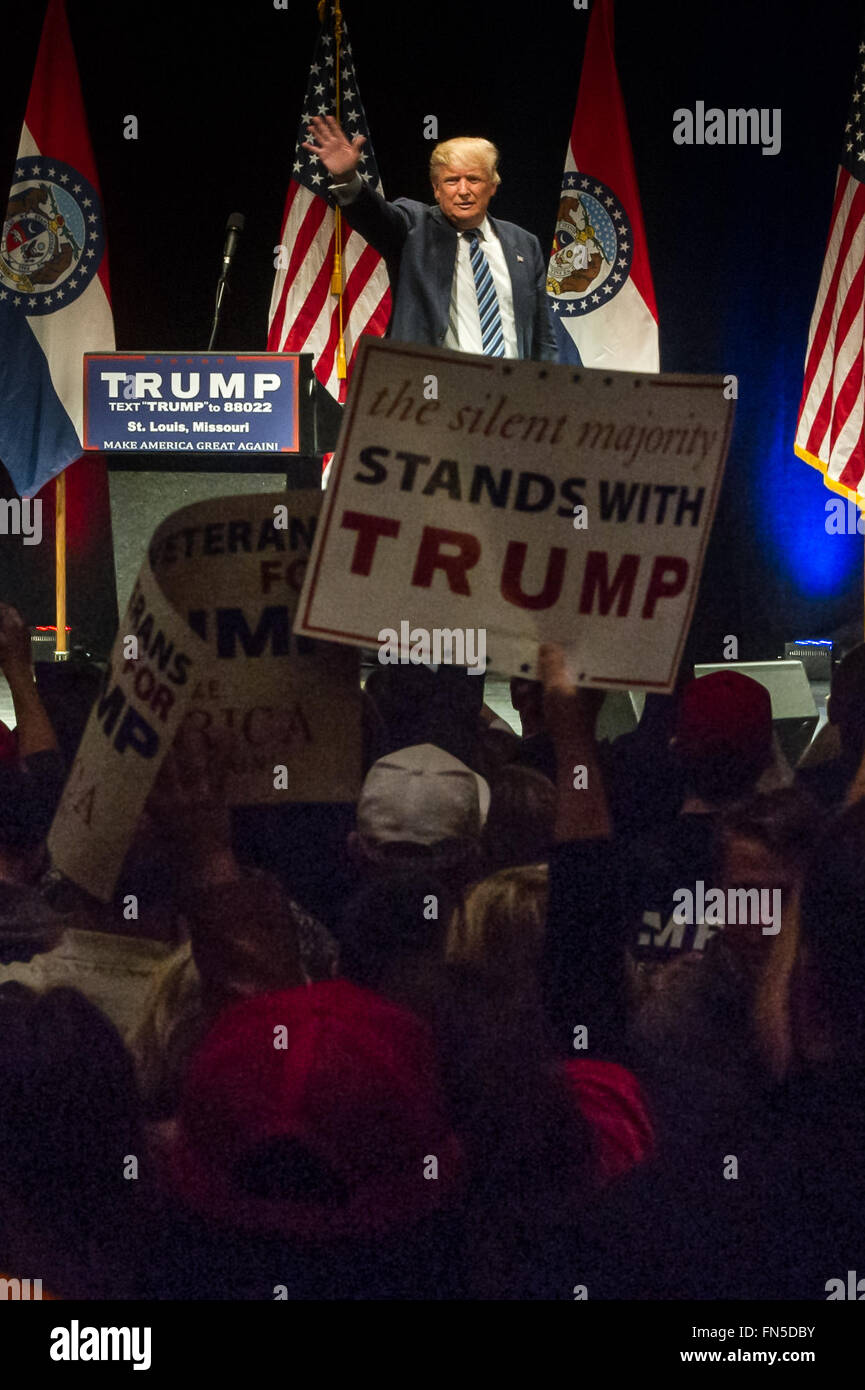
pixel 384 225
pixel 583 968
pixel 582 812
pixel 35 732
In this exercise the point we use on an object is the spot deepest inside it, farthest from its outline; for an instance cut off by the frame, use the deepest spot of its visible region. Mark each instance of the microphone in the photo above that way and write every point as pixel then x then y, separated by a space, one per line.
pixel 233 227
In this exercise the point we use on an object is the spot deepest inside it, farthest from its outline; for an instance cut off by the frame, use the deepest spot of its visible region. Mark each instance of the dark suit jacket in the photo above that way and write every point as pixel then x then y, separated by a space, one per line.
pixel 419 246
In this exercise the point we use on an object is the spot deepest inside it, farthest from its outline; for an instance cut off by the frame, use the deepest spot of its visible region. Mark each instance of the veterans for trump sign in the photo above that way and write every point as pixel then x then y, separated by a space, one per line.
pixel 537 502
pixel 206 637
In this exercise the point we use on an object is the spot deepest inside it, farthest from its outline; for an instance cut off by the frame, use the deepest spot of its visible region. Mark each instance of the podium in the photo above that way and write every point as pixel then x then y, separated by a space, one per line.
pixel 200 411
pixel 182 426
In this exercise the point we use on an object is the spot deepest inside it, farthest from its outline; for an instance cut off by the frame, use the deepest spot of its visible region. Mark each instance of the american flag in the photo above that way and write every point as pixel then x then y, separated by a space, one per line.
pixel 304 313
pixel 830 434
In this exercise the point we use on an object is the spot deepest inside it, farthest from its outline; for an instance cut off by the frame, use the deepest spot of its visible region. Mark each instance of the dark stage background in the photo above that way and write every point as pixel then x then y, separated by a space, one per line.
pixel 736 238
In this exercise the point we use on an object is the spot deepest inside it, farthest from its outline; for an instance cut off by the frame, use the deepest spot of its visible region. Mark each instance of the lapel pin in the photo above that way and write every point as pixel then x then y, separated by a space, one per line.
pixel 519 258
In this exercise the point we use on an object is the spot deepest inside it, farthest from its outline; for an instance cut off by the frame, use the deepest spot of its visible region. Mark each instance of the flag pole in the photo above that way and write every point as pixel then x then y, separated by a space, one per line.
pixel 61 651
pixel 336 280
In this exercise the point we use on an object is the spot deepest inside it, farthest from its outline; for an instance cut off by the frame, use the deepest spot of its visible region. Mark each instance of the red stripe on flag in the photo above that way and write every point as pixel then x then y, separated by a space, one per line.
pixel 827 412
pixel 830 429
pixel 307 231
pixel 825 331
pixel 354 287
pixel 845 401
pixel 851 387
pixel 308 314
pixel 855 214
pixel 600 142
pixel 293 190
pixel 851 474
pixel 55 114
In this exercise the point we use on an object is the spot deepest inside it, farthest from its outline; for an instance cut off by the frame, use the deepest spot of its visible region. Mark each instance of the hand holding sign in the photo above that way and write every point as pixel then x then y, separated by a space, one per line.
pixel 566 707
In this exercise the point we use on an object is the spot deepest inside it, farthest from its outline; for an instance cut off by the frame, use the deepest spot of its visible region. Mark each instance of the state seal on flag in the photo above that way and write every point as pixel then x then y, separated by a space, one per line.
pixel 592 247
pixel 53 236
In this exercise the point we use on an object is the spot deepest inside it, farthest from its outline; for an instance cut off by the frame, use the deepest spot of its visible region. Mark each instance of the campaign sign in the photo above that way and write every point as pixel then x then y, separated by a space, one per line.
pixel 206 638
pixel 532 502
pixel 206 403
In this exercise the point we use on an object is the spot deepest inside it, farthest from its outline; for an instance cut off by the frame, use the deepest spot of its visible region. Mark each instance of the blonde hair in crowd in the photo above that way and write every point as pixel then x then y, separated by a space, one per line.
pixel 500 925
pixel 464 151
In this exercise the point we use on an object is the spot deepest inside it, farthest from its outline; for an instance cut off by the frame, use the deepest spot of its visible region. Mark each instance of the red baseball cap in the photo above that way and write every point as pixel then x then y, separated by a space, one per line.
pixel 348 1075
pixel 724 712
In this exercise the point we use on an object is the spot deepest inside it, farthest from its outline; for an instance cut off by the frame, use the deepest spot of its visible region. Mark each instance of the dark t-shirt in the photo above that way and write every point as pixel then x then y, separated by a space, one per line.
pixel 29 796
pixel 773 1207
pixel 583 965
pixel 827 783
pixel 538 752
pixel 678 857
pixel 644 784
pixel 190 1258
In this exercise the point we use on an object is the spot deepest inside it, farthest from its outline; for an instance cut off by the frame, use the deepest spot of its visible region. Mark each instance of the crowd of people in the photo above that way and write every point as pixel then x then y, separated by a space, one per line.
pixel 456 1041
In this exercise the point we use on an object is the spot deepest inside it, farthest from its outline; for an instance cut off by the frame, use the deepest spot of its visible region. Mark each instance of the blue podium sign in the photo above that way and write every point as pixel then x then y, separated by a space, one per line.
pixel 192 403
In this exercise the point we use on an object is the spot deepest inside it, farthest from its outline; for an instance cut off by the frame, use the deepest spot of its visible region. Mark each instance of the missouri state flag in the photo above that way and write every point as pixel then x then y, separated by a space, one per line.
pixel 55 303
pixel 602 300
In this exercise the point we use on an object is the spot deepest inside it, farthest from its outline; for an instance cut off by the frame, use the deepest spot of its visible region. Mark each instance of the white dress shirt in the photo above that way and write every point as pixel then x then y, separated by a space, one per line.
pixel 464 322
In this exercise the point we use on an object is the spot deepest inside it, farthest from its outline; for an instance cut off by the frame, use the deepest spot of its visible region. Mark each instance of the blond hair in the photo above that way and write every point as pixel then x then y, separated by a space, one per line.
pixel 465 151
pixel 500 925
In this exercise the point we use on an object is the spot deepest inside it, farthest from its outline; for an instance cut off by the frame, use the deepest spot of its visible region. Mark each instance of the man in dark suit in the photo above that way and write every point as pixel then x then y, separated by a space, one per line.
pixel 460 280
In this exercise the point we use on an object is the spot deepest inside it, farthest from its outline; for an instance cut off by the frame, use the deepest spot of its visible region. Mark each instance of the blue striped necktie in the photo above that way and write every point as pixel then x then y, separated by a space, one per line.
pixel 492 337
